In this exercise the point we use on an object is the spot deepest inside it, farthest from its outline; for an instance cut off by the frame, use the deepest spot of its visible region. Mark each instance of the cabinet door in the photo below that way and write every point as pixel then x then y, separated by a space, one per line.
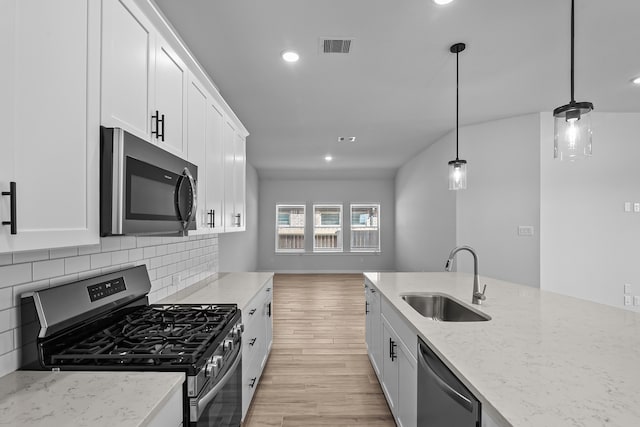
pixel 196 138
pixel 53 122
pixel 240 179
pixel 376 330
pixel 390 346
pixel 268 321
pixel 215 163
pixel 128 55
pixel 229 135
pixel 170 86
pixel 407 389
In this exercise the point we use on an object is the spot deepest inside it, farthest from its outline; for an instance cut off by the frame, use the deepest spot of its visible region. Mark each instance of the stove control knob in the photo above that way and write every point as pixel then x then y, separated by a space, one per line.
pixel 213 367
pixel 228 344
pixel 238 329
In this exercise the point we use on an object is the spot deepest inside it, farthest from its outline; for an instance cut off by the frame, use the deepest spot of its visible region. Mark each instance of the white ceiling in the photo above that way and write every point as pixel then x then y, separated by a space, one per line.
pixel 395 91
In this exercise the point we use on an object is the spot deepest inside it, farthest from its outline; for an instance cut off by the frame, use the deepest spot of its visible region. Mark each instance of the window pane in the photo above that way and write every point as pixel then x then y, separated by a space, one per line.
pixel 327 228
pixel 290 228
pixel 365 230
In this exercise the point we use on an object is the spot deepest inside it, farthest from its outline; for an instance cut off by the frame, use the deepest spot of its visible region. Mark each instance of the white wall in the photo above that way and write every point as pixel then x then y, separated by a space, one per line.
pixel 239 251
pixel 173 264
pixel 425 210
pixel 289 191
pixel 589 245
pixel 503 192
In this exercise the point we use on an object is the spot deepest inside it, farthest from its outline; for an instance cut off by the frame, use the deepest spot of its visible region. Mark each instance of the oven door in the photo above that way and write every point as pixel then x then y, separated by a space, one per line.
pixel 220 404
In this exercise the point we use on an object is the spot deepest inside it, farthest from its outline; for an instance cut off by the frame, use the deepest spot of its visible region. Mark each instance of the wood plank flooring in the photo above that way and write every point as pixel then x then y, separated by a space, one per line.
pixel 318 373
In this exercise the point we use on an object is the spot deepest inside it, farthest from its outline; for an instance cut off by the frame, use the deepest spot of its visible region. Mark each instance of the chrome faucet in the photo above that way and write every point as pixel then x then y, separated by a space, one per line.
pixel 478 296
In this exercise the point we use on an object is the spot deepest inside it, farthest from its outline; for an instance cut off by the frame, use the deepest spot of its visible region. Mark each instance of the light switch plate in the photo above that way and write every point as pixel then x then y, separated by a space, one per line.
pixel 627 206
pixel 636 207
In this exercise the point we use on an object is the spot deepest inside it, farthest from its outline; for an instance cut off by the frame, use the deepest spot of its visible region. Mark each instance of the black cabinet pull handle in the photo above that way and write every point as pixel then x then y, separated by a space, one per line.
pixel 155 117
pixel 366 307
pixel 253 382
pixel 253 341
pixel 212 218
pixel 252 312
pixel 12 200
pixel 392 350
pixel 162 121
pixel 268 289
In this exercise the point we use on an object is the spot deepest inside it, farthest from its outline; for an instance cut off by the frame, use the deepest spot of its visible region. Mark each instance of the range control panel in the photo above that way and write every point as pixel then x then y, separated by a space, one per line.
pixel 106 289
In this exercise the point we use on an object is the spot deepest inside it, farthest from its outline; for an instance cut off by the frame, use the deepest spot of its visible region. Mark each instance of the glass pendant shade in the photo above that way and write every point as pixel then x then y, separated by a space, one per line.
pixel 572 131
pixel 457 174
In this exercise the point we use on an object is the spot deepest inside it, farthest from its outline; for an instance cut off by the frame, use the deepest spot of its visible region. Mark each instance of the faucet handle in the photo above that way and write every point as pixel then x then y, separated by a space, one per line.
pixel 480 295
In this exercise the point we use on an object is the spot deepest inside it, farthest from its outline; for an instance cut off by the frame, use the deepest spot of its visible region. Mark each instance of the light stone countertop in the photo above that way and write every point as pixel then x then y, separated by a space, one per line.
pixel 224 288
pixel 85 399
pixel 544 359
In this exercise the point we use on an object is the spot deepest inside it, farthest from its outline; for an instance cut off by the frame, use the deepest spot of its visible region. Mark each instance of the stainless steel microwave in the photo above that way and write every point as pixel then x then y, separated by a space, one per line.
pixel 144 190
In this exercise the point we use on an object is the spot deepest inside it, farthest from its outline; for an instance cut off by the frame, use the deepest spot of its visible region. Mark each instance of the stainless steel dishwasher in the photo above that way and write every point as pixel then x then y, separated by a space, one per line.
pixel 443 401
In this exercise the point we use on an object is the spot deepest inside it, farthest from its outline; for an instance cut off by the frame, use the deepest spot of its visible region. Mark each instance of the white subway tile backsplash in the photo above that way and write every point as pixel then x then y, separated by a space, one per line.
pixel 77 264
pixel 173 263
pixel 101 260
pixel 6 259
pixel 119 257
pixel 110 243
pixel 88 250
pixel 15 274
pixel 48 269
pixel 128 242
pixel 136 254
pixel 30 256
pixel 63 253
pixel 149 252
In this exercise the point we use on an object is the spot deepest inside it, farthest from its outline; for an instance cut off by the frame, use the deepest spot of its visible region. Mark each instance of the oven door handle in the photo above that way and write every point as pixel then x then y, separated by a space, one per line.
pixel 211 394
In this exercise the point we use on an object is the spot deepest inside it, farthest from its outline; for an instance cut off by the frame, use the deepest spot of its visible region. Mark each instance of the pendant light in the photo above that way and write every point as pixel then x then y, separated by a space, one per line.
pixel 572 123
pixel 457 167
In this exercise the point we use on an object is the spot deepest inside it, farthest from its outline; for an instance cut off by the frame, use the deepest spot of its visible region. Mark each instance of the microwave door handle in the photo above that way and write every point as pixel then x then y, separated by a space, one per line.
pixel 189 216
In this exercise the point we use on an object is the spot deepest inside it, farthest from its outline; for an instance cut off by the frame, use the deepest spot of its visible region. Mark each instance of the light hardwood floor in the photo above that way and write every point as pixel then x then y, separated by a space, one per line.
pixel 318 373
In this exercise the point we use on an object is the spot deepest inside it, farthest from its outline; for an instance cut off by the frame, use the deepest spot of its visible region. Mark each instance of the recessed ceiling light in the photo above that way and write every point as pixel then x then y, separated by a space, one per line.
pixel 442 1
pixel 328 158
pixel 290 56
pixel 636 81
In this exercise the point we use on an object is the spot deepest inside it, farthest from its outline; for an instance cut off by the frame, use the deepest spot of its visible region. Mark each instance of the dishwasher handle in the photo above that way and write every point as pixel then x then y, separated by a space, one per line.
pixel 446 388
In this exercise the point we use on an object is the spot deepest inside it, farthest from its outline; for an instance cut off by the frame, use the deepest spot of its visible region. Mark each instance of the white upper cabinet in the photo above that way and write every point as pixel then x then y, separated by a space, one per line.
pixel 170 88
pixel 144 81
pixel 49 115
pixel 196 137
pixel 235 178
pixel 215 166
pixel 128 55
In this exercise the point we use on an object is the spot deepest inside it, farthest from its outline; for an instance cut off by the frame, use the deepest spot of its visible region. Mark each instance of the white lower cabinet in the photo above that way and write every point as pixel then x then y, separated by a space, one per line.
pixel 256 342
pixel 392 348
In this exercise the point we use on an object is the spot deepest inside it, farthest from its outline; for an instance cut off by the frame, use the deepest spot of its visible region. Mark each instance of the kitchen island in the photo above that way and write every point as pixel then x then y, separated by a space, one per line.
pixel 91 399
pixel 543 359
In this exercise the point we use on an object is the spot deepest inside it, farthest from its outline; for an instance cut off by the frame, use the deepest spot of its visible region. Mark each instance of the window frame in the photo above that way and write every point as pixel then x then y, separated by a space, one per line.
pixel 340 236
pixel 352 228
pixel 278 227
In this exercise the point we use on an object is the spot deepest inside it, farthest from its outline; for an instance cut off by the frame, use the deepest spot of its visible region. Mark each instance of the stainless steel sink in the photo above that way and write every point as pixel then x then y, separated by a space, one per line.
pixel 444 308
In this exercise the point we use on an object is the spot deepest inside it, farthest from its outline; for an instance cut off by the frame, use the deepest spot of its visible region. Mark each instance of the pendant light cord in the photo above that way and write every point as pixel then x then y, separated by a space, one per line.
pixel 458 103
pixel 572 39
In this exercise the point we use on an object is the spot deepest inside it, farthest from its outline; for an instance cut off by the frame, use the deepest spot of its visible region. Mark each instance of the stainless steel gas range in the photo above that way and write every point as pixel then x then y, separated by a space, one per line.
pixel 105 323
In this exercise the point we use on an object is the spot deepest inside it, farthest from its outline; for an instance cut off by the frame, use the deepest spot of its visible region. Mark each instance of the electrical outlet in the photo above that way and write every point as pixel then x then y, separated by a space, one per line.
pixel 627 288
pixel 525 230
pixel 627 206
pixel 636 300
pixel 628 300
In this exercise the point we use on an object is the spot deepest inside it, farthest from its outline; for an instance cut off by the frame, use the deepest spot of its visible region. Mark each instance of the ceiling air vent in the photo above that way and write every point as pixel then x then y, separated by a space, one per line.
pixel 336 45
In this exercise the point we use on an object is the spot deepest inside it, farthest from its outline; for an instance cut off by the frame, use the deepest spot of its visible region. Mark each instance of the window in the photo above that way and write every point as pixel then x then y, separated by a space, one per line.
pixel 327 228
pixel 290 228
pixel 365 228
